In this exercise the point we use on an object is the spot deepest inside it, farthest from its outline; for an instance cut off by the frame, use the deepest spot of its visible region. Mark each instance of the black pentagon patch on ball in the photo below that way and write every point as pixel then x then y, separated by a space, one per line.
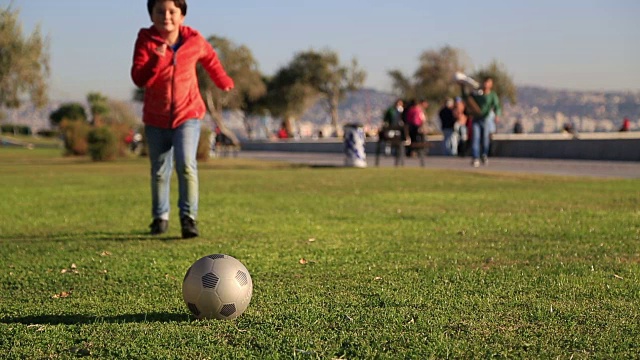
pixel 194 309
pixel 216 256
pixel 210 280
pixel 228 310
pixel 241 277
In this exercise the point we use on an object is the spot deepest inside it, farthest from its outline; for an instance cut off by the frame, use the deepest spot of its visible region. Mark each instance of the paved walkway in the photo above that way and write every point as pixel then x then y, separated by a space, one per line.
pixel 600 169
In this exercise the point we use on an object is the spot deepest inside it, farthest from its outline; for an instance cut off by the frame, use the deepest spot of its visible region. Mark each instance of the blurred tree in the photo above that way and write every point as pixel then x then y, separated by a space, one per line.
pixel 258 106
pixel 402 85
pixel 338 81
pixel 24 62
pixel 241 66
pixel 286 97
pixel 503 83
pixel 311 75
pixel 69 111
pixel 434 76
pixel 99 107
pixel 326 75
pixel 433 80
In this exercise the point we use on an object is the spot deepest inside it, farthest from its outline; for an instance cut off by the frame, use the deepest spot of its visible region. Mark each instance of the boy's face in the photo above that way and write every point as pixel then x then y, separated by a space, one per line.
pixel 166 17
pixel 488 85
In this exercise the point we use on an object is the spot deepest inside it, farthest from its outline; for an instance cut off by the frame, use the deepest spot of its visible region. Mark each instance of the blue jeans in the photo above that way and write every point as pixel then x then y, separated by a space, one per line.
pixel 481 136
pixel 180 143
pixel 450 142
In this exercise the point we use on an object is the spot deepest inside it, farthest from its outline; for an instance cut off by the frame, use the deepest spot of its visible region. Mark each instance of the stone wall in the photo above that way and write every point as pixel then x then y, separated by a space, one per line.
pixel 591 146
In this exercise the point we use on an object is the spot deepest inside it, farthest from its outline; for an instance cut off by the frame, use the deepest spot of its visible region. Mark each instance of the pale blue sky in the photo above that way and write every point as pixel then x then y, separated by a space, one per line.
pixel 575 44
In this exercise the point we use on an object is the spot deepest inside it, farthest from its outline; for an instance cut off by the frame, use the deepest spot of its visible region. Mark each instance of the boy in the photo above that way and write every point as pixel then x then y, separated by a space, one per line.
pixel 164 64
pixel 484 123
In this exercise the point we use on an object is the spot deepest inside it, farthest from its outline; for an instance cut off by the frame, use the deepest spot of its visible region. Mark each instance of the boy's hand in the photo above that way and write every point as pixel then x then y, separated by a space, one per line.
pixel 227 89
pixel 161 50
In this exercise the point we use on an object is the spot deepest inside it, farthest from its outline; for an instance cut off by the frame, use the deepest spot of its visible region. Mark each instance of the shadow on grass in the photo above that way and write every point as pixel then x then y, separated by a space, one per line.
pixel 98 235
pixel 89 319
pixel 135 235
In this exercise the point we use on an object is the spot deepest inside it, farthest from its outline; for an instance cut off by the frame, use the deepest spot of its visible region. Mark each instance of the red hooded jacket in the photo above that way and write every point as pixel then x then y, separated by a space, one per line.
pixel 171 88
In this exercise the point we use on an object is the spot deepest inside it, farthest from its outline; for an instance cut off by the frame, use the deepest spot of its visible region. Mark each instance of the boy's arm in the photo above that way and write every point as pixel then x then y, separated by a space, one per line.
pixel 498 108
pixel 471 101
pixel 211 63
pixel 463 91
pixel 145 64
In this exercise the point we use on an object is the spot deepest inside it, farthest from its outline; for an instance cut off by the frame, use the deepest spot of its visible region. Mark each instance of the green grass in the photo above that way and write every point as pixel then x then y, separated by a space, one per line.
pixel 401 263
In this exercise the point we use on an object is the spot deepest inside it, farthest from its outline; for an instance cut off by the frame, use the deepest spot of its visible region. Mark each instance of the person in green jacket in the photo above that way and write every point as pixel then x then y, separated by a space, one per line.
pixel 484 122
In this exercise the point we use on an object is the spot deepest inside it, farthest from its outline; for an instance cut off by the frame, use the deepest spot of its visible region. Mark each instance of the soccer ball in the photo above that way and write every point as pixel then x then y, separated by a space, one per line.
pixel 217 287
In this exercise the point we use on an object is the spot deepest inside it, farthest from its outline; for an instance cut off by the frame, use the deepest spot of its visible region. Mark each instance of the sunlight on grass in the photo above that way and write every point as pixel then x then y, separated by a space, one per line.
pixel 398 263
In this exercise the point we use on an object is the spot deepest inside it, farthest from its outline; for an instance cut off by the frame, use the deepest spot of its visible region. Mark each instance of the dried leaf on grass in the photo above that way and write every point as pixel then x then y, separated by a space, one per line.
pixel 40 328
pixel 72 269
pixel 62 295
pixel 241 330
pixel 304 352
pixel 80 351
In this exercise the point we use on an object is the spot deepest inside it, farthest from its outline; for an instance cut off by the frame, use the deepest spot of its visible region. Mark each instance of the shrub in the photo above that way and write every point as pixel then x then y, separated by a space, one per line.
pixel 12 129
pixel 204 145
pixel 48 133
pixel 75 137
pixel 70 112
pixel 103 144
pixel 121 132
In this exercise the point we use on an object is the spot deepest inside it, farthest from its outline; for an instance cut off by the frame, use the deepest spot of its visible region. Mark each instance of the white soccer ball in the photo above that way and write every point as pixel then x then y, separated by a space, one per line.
pixel 217 287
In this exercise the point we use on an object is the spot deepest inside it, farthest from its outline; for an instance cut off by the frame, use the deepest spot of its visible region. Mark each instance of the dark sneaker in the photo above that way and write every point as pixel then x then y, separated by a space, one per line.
pixel 189 228
pixel 159 226
pixel 485 160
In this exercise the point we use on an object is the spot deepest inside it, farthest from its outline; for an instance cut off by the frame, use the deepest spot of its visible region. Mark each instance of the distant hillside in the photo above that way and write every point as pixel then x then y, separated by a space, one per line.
pixel 362 106
pixel 539 109
pixel 545 110
pixel 597 105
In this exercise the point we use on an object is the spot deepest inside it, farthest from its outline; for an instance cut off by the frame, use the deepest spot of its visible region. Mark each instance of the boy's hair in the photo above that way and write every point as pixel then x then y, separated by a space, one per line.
pixel 182 4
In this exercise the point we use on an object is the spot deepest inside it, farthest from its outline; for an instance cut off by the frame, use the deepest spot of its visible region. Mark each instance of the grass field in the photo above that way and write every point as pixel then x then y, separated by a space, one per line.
pixel 398 263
